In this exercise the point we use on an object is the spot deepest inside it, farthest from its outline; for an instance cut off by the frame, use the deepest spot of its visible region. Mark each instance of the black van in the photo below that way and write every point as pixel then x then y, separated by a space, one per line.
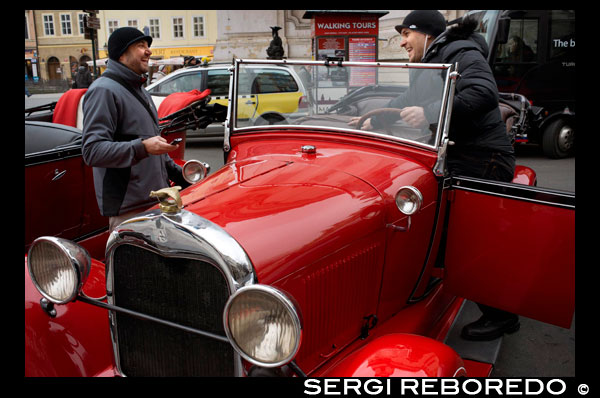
pixel 532 53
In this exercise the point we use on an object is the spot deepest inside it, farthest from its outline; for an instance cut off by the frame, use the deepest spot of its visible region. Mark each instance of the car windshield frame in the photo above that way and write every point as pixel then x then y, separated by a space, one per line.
pixel 437 144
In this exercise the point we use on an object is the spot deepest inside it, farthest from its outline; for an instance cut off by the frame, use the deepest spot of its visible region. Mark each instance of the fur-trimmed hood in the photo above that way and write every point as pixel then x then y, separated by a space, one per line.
pixel 457 38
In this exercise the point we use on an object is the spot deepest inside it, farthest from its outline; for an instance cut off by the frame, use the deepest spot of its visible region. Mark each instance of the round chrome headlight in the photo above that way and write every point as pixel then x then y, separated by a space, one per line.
pixel 194 171
pixel 58 268
pixel 409 200
pixel 263 325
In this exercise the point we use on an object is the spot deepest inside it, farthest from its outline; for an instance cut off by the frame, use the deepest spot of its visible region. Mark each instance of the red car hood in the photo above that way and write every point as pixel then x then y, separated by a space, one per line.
pixel 286 214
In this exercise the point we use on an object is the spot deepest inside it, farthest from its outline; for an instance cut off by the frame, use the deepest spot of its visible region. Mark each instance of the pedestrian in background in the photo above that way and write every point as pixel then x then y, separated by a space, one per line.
pixel 83 77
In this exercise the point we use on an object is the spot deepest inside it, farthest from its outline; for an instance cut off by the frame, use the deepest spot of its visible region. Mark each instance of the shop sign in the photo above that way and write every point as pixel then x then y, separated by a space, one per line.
pixel 326 24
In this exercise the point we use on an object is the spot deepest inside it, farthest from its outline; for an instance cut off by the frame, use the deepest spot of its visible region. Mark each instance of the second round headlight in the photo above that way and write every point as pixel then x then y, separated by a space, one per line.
pixel 263 325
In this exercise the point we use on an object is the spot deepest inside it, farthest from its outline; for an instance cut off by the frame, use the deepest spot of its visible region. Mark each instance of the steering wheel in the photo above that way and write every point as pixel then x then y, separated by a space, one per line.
pixel 425 130
pixel 375 112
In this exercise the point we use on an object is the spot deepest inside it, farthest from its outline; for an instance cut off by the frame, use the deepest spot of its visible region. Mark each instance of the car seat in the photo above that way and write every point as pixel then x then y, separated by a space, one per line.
pixel 68 108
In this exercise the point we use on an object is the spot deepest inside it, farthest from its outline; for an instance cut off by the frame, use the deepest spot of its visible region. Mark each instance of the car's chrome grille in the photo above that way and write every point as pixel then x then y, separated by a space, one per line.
pixel 190 292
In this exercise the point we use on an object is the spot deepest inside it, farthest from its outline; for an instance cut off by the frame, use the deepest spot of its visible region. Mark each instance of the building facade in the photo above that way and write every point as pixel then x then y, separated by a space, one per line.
pixel 174 32
pixel 55 42
pixel 247 33
pixel 61 45
pixel 32 72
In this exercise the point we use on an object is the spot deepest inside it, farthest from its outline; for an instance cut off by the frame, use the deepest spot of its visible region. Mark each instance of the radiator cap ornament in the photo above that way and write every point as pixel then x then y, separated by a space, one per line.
pixel 169 199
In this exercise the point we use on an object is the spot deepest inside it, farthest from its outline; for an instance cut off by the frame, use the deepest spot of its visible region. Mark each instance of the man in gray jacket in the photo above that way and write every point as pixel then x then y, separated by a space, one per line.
pixel 121 138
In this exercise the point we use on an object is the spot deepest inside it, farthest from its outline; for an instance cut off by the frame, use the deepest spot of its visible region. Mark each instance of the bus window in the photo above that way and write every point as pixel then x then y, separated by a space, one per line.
pixel 518 55
pixel 562 34
pixel 522 42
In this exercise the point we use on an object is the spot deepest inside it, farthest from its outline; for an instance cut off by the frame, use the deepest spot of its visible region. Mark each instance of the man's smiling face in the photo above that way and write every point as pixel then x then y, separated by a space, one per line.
pixel 413 42
pixel 136 57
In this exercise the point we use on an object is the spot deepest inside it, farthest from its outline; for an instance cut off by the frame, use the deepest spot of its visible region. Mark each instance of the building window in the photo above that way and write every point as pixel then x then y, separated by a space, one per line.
pixel 65 24
pixel 177 27
pixel 113 25
pixel 26 28
pixel 198 26
pixel 48 24
pixel 154 28
pixel 132 23
pixel 81 24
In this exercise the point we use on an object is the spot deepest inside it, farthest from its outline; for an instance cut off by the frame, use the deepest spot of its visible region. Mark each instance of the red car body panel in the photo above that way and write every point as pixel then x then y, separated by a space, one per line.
pixel 74 343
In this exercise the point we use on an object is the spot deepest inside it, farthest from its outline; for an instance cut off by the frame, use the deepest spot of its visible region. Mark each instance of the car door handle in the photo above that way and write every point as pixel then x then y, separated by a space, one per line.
pixel 250 102
pixel 58 174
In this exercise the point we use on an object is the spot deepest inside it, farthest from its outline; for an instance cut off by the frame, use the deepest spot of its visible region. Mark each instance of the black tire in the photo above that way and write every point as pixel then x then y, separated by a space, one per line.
pixel 559 139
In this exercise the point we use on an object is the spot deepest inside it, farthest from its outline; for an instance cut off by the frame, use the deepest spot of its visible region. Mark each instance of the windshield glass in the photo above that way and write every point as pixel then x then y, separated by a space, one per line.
pixel 398 101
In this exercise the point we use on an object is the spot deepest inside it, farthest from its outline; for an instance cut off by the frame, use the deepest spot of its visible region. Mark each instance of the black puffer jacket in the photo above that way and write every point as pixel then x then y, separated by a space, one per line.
pixel 476 121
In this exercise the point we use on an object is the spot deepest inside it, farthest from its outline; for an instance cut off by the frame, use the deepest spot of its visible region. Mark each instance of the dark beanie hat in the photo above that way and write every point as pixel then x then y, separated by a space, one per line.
pixel 430 22
pixel 122 38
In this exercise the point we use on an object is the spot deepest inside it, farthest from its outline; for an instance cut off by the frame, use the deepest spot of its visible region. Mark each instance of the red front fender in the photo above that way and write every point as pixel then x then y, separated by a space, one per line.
pixel 401 355
pixel 74 343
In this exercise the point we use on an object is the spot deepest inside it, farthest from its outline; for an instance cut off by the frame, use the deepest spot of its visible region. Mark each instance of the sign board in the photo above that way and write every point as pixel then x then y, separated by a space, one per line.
pixel 92 22
pixel 345 25
pixel 362 49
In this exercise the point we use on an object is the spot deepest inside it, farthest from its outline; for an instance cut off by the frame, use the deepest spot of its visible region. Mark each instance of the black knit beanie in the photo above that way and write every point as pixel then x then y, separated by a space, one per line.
pixel 429 22
pixel 122 38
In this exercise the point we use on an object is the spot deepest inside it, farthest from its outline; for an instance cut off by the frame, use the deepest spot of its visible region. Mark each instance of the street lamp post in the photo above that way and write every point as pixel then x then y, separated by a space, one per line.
pixel 92 24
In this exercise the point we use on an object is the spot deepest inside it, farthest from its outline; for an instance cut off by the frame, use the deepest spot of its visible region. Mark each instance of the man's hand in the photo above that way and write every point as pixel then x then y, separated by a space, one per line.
pixel 414 116
pixel 158 146
pixel 365 126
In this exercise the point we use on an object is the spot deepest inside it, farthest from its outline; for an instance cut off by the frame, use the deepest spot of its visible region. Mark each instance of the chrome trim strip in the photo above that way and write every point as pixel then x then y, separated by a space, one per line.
pixel 230 111
pixel 51 155
pixel 185 235
pixel 344 63
pixel 527 193
pixel 439 169
pixel 319 129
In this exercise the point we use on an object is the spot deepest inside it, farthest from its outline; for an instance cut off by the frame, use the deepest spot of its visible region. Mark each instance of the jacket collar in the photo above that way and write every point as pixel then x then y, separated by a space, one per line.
pixel 126 73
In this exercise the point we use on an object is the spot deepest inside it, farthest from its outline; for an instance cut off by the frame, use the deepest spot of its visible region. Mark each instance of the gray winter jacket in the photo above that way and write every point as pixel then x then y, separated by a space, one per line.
pixel 114 125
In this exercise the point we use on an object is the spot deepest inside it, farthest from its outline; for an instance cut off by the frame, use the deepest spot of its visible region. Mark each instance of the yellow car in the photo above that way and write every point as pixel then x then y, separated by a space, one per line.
pixel 267 93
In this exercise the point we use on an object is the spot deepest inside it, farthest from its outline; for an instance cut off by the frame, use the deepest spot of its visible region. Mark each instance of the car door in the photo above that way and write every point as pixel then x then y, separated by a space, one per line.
pixel 512 247
pixel 54 182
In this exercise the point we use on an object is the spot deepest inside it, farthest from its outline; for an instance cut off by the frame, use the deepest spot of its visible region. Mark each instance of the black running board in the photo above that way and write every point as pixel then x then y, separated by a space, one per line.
pixel 480 351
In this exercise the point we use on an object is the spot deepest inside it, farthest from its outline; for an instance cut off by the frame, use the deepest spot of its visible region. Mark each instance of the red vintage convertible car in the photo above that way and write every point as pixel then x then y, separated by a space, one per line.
pixel 318 249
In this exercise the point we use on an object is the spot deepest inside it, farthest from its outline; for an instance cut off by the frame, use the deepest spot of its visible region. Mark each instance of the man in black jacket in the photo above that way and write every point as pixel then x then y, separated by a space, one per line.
pixel 481 146
pixel 83 78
